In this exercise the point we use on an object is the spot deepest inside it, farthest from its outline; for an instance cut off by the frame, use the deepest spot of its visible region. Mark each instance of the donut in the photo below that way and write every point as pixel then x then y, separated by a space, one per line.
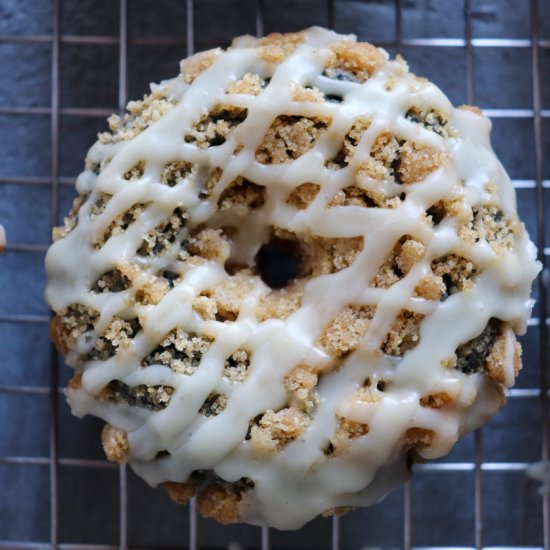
pixel 290 272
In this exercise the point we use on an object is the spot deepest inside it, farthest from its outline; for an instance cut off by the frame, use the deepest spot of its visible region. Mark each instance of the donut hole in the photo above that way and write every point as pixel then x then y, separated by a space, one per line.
pixel 278 262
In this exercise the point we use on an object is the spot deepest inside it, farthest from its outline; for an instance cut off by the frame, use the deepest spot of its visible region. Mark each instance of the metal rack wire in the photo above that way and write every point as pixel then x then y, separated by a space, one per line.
pixel 338 529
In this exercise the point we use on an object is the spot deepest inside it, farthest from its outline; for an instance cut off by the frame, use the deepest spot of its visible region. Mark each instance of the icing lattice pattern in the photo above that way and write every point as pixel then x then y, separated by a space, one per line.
pixel 288 269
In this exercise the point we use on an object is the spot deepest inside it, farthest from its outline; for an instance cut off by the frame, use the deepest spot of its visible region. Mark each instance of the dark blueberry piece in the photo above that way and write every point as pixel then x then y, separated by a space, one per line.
pixel 334 98
pixel 329 449
pixel 138 396
pixel 436 214
pixel 170 276
pixel 218 140
pixel 472 355
pixel 341 75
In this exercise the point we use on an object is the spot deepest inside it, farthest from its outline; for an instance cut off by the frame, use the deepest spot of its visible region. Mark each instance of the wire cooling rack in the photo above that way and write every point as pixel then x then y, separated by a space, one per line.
pixel 65 67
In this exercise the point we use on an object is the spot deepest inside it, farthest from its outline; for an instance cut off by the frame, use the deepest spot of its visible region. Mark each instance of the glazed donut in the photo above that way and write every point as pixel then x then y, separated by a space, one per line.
pixel 289 272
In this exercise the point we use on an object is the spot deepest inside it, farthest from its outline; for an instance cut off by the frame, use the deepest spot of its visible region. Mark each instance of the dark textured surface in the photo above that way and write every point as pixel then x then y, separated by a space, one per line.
pixel 26 17
pixel 375 23
pixel 443 512
pixel 89 17
pixel 501 19
pixel 95 87
pixel 25 509
pixel 25 143
pixel 33 203
pixel 432 18
pixel 25 74
pixel 29 436
pixel 22 284
pixel 443 494
pixel 151 64
pixel 444 66
pixel 508 65
pixel 512 510
pixel 148 19
pixel 471 355
pixel 88 505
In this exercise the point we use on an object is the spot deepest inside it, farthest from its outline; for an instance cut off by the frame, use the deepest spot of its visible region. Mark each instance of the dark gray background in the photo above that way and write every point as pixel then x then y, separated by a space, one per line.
pixel 89 498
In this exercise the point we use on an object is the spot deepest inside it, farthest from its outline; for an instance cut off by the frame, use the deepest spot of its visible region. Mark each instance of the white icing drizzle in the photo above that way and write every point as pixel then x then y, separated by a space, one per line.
pixel 2 238
pixel 299 482
pixel 508 362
